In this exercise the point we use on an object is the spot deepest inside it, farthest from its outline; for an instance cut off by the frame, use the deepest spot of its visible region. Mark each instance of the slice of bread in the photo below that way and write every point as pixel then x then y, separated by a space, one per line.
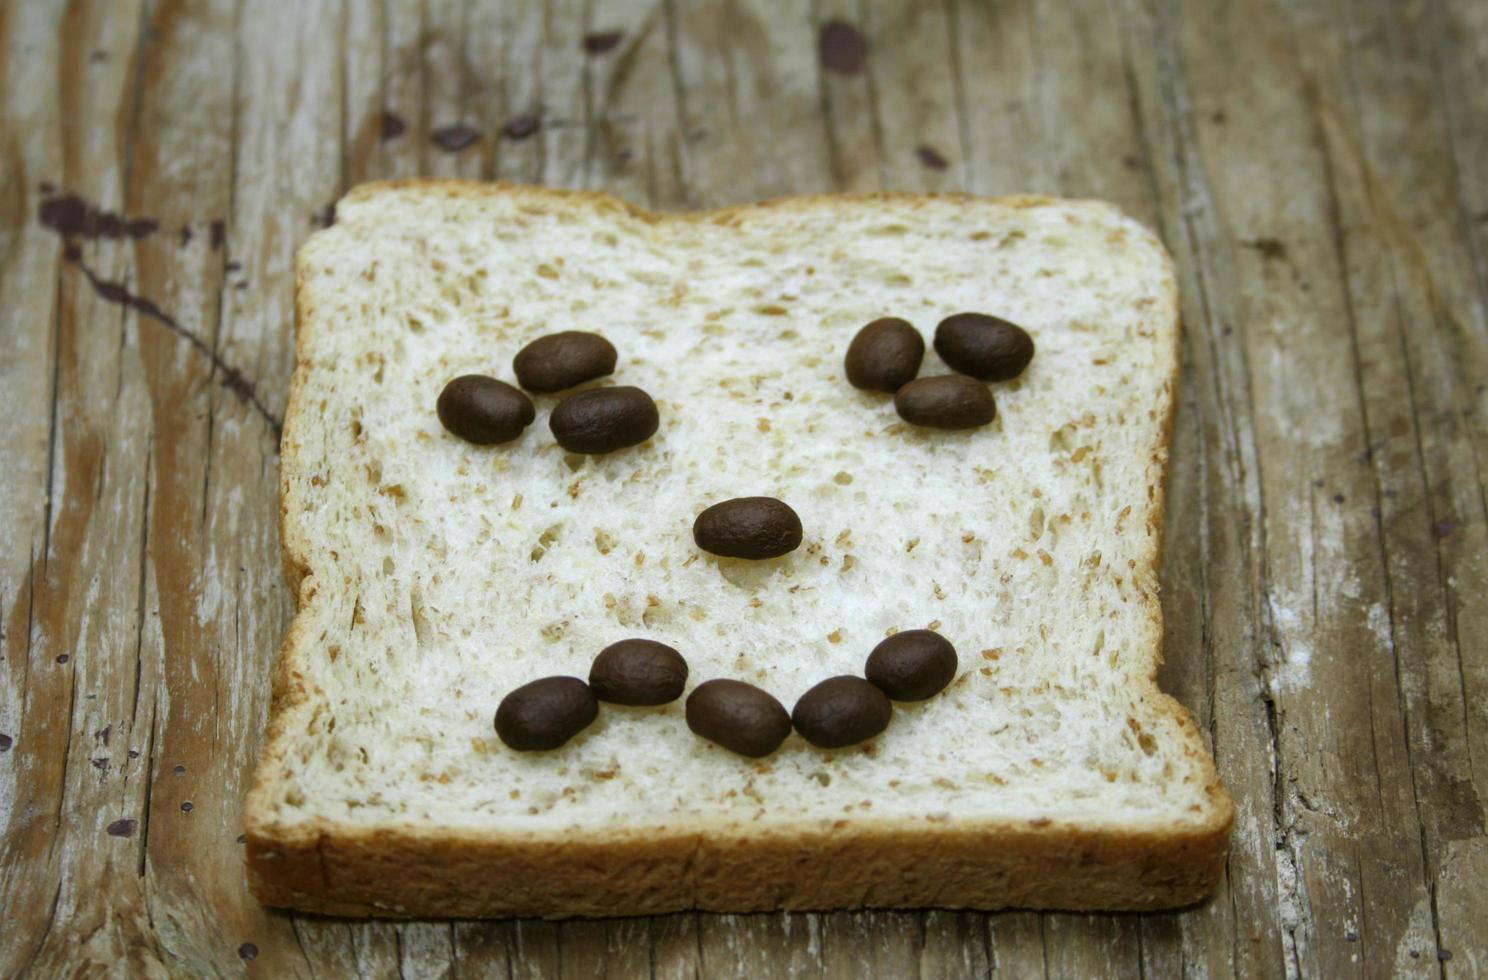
pixel 434 576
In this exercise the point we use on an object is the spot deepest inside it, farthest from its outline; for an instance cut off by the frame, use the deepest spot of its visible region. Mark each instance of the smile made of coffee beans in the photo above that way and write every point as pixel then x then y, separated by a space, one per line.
pixel 485 411
pixel 885 356
pixel 845 710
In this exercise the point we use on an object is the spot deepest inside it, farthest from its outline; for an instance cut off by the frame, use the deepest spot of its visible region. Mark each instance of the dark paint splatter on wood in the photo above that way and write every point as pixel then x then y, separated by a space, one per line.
pixel 122 828
pixel 233 266
pixel 72 217
pixel 453 139
pixel 103 734
pixel 62 658
pixel 179 770
pixel 100 764
pixel 841 48
pixel 6 742
pixel 393 126
pixel 247 951
pixel 185 235
pixel 1443 528
pixel 1270 248
pixel 218 232
pixel 187 807
pixel 931 158
pixel 520 127
pixel 598 42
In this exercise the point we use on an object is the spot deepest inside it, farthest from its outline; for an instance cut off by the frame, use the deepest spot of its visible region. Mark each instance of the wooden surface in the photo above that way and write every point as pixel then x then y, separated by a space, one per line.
pixel 1317 168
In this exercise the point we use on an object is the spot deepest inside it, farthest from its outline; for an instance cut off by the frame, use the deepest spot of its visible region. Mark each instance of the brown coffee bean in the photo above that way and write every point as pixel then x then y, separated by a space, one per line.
pixel 545 713
pixel 885 355
pixel 638 672
pixel 912 666
pixel 841 711
pixel 947 401
pixel 738 716
pixel 483 410
pixel 562 360
pixel 748 527
pixel 986 347
pixel 602 420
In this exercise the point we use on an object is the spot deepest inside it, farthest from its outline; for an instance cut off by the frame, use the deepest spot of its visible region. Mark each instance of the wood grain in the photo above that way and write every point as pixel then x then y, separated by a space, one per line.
pixel 1316 169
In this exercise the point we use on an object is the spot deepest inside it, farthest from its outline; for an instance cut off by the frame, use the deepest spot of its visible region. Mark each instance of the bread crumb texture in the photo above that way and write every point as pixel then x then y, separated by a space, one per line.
pixel 435 576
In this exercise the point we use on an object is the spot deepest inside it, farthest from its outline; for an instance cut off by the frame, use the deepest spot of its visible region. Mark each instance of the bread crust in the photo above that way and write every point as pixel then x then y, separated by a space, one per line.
pixel 857 861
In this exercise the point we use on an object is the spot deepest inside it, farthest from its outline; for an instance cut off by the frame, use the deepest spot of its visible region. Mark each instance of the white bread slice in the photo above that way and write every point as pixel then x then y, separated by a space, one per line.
pixel 434 576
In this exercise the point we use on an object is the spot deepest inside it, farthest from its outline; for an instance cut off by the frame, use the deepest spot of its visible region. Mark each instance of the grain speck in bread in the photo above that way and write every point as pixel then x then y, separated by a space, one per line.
pixel 434 576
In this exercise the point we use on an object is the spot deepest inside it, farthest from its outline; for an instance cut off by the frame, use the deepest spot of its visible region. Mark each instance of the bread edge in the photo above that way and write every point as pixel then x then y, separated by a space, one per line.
pixel 343 869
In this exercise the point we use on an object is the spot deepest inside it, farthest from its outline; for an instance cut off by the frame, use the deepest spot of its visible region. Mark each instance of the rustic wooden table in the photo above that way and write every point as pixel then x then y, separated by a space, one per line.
pixel 1317 168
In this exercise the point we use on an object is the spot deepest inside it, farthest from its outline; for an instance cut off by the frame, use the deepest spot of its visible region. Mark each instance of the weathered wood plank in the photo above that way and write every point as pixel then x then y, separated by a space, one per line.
pixel 206 409
pixel 1212 542
pixel 403 44
pixel 751 120
pixel 514 33
pixel 30 269
pixel 1017 944
pixel 1422 343
pixel 288 158
pixel 87 607
pixel 995 78
pixel 1208 941
pixel 911 74
pixel 634 104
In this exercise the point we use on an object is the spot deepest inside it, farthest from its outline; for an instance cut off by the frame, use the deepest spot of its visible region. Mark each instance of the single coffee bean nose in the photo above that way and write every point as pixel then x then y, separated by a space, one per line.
pixel 748 527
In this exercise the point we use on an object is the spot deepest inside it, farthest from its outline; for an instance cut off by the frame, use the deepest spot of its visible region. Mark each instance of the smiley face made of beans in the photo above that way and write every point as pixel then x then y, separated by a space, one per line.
pixel 913 665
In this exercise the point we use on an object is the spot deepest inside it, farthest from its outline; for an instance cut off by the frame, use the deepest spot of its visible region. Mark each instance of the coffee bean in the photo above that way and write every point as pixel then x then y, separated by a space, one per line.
pixel 912 666
pixel 738 716
pixel 986 347
pixel 640 672
pixel 947 401
pixel 885 355
pixel 562 360
pixel 602 420
pixel 841 711
pixel 545 713
pixel 483 410
pixel 748 527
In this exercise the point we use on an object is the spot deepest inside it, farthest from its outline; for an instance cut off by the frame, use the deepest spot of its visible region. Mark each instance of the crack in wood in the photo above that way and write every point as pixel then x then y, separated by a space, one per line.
pixel 231 378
